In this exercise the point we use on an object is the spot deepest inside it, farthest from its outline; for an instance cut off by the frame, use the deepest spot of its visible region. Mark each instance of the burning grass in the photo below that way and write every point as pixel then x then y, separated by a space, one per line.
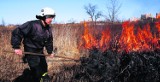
pixel 131 36
pixel 130 54
pixel 127 52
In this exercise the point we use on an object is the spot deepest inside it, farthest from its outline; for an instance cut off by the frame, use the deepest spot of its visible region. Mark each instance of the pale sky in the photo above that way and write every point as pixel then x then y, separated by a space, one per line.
pixel 20 11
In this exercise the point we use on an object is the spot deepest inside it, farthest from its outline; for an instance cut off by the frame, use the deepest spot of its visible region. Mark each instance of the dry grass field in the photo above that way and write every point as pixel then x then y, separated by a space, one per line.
pixel 65 38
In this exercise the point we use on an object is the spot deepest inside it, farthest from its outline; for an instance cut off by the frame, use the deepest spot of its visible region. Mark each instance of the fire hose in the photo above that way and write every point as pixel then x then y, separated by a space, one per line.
pixel 38 54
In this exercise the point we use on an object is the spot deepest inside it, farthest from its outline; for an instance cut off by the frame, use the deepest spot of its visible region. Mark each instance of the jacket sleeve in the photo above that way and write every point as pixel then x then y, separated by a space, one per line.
pixel 18 34
pixel 49 43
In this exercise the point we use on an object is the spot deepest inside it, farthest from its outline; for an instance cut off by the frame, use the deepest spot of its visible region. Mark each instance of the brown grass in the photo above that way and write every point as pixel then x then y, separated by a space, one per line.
pixel 9 66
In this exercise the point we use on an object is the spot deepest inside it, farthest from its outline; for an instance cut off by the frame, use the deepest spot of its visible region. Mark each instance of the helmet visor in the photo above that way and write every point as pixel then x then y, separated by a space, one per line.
pixel 50 16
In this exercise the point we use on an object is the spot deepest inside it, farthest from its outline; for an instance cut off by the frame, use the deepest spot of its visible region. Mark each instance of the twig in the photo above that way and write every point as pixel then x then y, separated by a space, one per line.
pixel 38 54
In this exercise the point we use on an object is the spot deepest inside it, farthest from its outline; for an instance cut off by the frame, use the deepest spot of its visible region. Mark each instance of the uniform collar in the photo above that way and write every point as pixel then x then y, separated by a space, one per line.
pixel 47 26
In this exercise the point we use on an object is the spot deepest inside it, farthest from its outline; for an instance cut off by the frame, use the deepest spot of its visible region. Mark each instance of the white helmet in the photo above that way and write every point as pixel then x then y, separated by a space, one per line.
pixel 46 12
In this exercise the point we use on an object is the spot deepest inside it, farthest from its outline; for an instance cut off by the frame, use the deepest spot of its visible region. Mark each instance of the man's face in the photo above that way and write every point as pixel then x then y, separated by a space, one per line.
pixel 49 20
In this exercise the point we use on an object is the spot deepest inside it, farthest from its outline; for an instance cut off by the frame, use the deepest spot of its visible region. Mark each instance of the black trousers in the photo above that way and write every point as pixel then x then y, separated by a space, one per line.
pixel 37 64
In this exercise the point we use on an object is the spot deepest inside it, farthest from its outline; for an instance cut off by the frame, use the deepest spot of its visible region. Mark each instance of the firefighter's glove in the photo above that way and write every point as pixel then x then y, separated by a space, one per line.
pixel 52 55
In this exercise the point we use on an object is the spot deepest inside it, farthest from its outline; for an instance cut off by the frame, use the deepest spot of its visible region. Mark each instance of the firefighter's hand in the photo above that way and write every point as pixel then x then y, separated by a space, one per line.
pixel 51 55
pixel 18 52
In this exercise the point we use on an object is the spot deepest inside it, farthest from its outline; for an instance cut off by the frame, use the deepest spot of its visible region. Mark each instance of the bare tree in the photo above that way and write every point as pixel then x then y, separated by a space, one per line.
pixel 98 15
pixel 113 10
pixel 91 10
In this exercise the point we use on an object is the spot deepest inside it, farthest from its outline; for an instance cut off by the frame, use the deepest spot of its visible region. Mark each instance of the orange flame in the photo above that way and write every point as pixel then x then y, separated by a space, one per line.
pixel 105 39
pixel 132 38
pixel 128 40
pixel 88 38
pixel 90 41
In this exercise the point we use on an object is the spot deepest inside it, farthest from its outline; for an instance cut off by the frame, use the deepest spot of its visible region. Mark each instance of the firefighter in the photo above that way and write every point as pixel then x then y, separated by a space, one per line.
pixel 35 36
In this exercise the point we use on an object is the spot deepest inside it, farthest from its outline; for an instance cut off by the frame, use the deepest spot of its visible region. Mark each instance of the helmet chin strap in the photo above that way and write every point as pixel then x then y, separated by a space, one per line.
pixel 44 22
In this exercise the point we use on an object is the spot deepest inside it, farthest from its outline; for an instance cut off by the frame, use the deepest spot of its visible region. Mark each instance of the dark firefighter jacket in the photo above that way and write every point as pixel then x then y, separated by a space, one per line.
pixel 33 35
